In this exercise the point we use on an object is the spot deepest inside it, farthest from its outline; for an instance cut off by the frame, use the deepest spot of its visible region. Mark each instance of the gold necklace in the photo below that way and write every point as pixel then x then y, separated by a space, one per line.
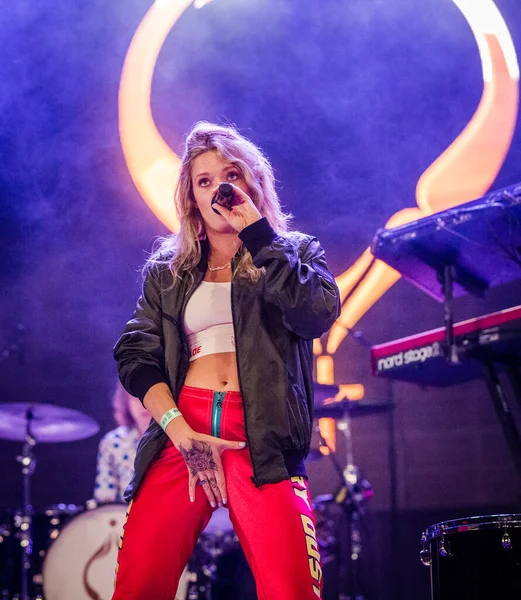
pixel 218 268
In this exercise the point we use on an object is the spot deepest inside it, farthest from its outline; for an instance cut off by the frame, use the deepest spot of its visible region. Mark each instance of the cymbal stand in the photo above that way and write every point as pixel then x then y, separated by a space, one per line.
pixel 351 496
pixel 28 465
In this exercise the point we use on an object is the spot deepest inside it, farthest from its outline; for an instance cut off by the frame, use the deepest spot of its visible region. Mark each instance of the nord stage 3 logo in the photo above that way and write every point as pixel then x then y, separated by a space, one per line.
pixel 409 357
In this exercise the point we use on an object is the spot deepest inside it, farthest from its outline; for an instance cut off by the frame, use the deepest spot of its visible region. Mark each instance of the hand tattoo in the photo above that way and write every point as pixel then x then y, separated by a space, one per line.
pixel 199 457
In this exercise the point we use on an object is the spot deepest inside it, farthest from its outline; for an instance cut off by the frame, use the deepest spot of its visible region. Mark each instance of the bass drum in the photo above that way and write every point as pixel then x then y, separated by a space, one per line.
pixel 478 558
pixel 81 562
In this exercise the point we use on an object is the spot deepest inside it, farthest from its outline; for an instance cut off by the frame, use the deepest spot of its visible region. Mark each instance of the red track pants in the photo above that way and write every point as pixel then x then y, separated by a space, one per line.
pixel 274 523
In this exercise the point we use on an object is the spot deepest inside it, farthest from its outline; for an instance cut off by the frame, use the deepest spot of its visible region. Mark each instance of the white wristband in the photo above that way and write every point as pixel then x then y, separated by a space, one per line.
pixel 169 416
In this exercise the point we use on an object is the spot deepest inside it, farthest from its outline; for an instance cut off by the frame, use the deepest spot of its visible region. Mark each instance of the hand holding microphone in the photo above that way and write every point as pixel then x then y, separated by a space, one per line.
pixel 235 206
pixel 223 196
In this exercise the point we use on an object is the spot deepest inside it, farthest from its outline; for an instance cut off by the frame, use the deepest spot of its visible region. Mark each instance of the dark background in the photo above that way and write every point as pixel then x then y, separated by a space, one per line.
pixel 352 101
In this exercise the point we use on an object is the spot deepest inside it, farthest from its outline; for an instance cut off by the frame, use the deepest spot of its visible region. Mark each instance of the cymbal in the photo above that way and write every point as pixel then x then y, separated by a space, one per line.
pixel 49 423
pixel 326 406
pixel 349 408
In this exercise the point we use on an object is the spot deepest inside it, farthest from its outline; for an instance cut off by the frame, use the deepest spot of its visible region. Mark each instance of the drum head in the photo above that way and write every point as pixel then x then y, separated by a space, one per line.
pixel 81 562
pixel 472 524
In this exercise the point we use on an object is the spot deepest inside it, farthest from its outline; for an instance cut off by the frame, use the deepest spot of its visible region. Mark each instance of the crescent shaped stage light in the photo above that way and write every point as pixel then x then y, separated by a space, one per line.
pixel 152 164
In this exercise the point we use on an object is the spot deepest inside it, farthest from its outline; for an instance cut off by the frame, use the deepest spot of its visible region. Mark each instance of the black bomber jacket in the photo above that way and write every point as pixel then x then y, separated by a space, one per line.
pixel 275 321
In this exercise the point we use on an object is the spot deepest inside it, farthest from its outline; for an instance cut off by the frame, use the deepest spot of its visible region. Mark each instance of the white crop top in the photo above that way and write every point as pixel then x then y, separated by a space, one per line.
pixel 208 320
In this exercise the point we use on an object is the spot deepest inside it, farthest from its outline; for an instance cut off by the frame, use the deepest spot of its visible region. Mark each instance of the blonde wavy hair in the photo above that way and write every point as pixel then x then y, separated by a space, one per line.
pixel 183 250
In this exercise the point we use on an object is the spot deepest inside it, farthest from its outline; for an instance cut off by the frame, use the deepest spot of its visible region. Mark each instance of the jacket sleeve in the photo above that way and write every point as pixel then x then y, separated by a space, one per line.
pixel 139 350
pixel 297 279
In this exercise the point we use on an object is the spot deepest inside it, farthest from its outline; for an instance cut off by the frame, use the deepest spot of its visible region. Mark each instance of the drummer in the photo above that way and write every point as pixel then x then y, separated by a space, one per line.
pixel 117 448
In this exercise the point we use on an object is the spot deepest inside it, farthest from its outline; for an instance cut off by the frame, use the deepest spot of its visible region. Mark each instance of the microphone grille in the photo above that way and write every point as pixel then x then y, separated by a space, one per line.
pixel 225 189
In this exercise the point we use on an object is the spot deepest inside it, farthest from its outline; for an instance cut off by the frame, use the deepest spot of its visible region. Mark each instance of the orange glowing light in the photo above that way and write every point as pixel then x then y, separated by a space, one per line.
pixel 152 164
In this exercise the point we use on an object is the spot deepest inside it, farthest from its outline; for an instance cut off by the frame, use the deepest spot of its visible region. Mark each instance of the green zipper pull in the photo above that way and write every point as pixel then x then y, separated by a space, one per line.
pixel 218 398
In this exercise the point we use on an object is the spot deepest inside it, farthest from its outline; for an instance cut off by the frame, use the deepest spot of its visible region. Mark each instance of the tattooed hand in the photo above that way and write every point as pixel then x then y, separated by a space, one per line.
pixel 199 457
pixel 202 454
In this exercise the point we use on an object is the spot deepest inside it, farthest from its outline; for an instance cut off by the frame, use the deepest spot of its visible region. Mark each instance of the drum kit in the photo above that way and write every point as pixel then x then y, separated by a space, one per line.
pixel 26 536
pixel 69 552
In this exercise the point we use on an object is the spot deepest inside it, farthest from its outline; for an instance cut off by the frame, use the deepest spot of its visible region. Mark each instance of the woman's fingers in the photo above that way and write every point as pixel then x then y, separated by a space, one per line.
pixel 241 213
pixel 205 467
pixel 214 487
pixel 214 483
pixel 218 482
pixel 192 482
pixel 218 486
pixel 226 445
pixel 211 481
pixel 221 486
pixel 206 482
